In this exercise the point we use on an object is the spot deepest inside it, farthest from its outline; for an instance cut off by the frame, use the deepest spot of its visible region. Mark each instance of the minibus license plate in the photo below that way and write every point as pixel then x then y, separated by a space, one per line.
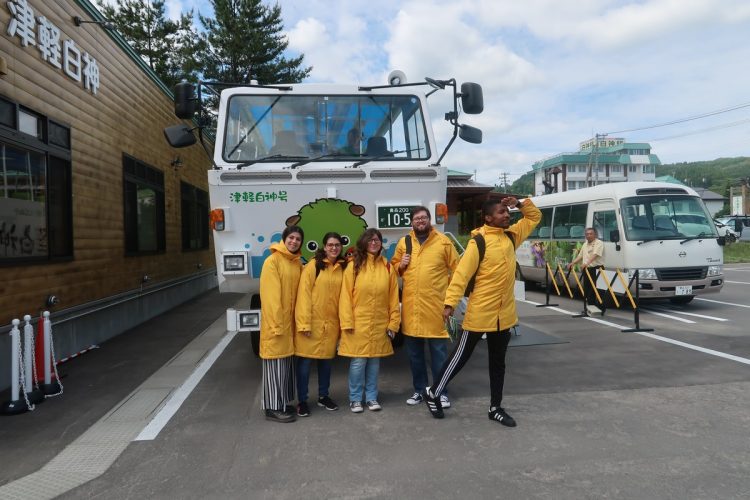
pixel 683 290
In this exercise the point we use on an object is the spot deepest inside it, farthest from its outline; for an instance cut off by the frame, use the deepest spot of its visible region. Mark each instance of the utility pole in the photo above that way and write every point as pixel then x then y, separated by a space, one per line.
pixel 504 181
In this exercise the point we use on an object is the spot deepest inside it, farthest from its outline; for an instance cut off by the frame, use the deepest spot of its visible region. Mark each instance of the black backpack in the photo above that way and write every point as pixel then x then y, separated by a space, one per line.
pixel 481 247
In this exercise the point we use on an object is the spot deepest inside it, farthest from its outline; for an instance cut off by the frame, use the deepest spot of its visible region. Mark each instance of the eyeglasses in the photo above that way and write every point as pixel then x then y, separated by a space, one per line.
pixel 333 245
pixel 421 218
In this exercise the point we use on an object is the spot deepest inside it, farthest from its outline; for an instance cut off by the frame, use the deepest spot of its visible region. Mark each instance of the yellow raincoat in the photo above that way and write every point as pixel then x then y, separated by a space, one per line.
pixel 279 279
pixel 317 311
pixel 425 280
pixel 492 305
pixel 368 307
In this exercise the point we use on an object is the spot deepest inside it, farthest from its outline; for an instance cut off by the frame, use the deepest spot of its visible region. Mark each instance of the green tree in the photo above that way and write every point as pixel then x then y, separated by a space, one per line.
pixel 524 185
pixel 244 42
pixel 167 46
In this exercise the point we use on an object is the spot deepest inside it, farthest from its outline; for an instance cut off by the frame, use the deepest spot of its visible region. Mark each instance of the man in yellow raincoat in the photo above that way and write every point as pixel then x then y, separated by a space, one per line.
pixel 492 306
pixel 425 259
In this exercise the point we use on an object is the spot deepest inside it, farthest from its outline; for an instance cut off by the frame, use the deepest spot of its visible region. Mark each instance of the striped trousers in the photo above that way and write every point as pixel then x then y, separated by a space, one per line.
pixel 278 383
pixel 497 345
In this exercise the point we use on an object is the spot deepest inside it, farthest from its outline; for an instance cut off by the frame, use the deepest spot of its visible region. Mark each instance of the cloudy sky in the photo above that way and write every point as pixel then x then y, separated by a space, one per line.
pixel 554 72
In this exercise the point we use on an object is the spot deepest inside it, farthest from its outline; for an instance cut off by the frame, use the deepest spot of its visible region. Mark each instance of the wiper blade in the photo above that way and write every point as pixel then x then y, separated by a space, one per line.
pixel 647 241
pixel 271 157
pixel 308 160
pixel 389 153
pixel 702 234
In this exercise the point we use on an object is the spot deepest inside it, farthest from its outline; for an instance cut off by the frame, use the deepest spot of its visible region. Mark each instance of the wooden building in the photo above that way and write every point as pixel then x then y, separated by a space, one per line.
pixel 101 222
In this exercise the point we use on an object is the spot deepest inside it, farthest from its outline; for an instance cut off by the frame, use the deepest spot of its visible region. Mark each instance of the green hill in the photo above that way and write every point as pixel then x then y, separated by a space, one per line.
pixel 716 175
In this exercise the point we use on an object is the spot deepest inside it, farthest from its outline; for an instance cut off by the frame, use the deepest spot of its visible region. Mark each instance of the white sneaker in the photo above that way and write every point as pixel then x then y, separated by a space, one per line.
pixel 356 407
pixel 415 399
pixel 444 401
pixel 373 405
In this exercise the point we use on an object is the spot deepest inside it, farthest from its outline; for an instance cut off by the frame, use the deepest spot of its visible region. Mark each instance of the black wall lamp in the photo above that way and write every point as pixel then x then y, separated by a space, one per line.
pixel 77 20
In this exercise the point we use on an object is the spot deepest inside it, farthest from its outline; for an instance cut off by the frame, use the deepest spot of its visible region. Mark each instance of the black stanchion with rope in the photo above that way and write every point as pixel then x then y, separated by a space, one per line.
pixel 547 289
pixel 636 309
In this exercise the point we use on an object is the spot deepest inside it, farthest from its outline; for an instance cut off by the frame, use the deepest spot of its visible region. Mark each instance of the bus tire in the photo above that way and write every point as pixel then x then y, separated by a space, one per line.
pixel 682 300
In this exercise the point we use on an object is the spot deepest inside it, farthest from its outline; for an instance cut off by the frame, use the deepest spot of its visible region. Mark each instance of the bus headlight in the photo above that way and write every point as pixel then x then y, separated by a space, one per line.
pixel 715 270
pixel 643 274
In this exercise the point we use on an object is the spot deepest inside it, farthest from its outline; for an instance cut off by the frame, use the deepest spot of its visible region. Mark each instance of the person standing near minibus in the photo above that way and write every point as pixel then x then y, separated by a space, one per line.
pixel 279 280
pixel 425 259
pixel 591 257
pixel 369 316
pixel 491 309
pixel 317 321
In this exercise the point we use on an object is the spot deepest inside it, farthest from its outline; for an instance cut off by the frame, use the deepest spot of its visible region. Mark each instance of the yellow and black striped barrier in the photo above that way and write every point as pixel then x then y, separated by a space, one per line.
pixel 586 278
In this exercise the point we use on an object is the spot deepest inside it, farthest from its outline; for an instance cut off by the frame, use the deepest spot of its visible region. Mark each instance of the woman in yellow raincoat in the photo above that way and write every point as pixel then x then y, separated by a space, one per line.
pixel 369 315
pixel 317 320
pixel 279 280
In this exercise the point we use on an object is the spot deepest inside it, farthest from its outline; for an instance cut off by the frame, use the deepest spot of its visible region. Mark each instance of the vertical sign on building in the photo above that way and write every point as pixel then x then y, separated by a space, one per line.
pixel 61 54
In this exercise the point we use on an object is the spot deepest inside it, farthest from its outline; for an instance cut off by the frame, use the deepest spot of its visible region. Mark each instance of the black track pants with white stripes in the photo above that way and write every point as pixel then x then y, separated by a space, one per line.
pixel 497 345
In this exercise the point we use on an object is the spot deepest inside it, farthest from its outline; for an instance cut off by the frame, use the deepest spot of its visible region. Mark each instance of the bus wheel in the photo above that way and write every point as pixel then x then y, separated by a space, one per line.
pixel 255 336
pixel 681 300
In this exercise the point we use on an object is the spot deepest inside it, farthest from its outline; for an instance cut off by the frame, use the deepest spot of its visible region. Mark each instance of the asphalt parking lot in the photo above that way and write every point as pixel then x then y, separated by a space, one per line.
pixel 601 414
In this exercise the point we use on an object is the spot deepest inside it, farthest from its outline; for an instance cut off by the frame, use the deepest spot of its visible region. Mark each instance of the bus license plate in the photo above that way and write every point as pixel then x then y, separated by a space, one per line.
pixel 683 290
pixel 394 216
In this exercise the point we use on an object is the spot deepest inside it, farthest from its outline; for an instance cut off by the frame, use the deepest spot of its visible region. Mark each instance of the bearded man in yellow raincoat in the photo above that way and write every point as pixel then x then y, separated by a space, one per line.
pixel 425 259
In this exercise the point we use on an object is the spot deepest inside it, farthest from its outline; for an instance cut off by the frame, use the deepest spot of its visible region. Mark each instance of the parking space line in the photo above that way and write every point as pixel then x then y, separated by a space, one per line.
pixel 683 320
pixel 725 303
pixel 704 350
pixel 738 282
pixel 704 316
pixel 697 348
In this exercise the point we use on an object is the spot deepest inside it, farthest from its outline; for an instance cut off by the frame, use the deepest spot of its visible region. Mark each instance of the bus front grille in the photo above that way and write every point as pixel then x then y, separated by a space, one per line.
pixel 681 273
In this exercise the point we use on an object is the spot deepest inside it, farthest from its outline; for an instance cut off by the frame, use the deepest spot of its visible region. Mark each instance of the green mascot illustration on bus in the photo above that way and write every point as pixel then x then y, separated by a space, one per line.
pixel 328 214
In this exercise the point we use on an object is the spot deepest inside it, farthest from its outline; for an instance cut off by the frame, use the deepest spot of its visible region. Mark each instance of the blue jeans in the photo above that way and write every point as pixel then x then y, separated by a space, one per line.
pixel 438 353
pixel 363 375
pixel 303 377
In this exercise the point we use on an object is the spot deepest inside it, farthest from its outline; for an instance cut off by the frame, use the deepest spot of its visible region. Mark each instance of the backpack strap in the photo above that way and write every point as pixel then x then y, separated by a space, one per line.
pixel 407 242
pixel 481 247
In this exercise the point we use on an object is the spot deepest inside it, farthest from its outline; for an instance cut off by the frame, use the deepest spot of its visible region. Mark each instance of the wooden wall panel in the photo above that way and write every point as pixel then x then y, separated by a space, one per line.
pixel 126 116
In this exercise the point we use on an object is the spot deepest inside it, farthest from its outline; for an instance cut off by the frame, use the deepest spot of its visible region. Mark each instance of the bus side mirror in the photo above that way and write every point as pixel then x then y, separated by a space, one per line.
pixel 721 240
pixel 179 136
pixel 614 236
pixel 184 100
pixel 470 134
pixel 472 99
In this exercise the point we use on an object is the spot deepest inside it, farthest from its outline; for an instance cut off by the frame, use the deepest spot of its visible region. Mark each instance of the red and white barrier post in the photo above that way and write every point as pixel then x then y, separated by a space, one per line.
pixel 33 393
pixel 15 405
pixel 50 387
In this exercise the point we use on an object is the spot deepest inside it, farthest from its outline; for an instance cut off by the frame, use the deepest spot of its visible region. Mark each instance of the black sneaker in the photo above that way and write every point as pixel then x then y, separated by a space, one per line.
pixel 327 403
pixel 433 404
pixel 499 415
pixel 303 410
pixel 280 416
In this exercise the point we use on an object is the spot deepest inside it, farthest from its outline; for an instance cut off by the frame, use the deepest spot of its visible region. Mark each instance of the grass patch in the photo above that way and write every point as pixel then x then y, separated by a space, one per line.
pixel 737 252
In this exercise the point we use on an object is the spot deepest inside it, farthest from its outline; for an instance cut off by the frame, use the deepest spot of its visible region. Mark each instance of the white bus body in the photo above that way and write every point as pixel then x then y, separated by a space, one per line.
pixel 662 230
pixel 323 157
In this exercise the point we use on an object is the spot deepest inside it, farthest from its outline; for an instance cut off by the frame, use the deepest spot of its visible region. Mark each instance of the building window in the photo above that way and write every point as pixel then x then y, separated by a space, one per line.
pixel 194 217
pixel 144 207
pixel 633 169
pixel 35 190
pixel 649 169
pixel 615 169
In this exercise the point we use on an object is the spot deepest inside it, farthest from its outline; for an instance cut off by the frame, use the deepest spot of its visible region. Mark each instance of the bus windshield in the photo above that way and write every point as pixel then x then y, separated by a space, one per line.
pixel 335 127
pixel 649 218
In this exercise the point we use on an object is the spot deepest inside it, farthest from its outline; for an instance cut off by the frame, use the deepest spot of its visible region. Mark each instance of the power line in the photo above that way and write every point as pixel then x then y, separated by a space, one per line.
pixel 709 129
pixel 683 120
